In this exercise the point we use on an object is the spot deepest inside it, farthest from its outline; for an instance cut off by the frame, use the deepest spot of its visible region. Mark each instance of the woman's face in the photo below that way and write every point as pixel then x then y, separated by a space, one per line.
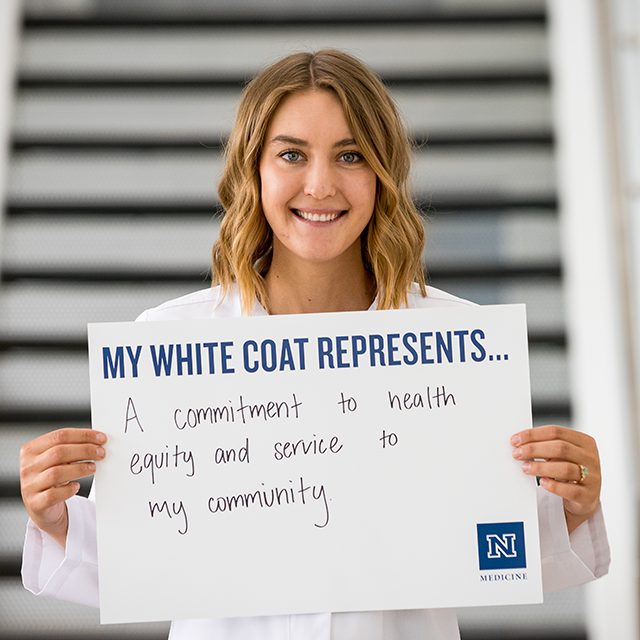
pixel 318 192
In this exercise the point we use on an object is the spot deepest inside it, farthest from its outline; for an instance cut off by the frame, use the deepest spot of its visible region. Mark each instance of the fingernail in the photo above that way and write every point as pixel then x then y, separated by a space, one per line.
pixel 517 453
pixel 101 438
pixel 100 452
pixel 543 482
pixel 92 466
pixel 526 466
pixel 515 440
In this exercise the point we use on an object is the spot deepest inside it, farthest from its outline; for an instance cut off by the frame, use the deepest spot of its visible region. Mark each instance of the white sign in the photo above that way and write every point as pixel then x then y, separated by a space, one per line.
pixel 310 463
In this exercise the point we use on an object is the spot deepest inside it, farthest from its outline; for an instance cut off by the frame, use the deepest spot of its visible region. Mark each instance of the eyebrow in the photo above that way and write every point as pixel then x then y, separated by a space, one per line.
pixel 303 143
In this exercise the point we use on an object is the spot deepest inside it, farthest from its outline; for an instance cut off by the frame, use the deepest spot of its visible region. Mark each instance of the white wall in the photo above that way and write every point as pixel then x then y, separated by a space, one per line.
pixel 624 39
pixel 9 32
pixel 600 300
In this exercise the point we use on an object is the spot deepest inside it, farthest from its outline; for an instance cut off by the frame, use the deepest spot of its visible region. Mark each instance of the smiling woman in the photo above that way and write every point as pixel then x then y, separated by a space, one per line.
pixel 318 195
pixel 318 136
pixel 318 217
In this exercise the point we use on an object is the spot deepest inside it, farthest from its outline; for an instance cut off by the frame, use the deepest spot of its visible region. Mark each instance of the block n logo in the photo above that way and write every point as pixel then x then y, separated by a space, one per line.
pixel 504 545
pixel 501 546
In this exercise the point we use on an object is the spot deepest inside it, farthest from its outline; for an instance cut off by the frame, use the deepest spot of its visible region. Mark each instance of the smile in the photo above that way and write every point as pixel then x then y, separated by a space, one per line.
pixel 316 216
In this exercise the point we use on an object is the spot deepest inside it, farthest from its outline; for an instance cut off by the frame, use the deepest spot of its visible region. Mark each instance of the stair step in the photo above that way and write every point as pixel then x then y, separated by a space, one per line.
pixel 263 10
pixel 37 379
pixel 500 173
pixel 206 115
pixel 408 50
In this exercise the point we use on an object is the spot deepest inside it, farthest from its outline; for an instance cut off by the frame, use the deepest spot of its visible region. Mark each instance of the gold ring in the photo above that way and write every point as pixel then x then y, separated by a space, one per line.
pixel 584 472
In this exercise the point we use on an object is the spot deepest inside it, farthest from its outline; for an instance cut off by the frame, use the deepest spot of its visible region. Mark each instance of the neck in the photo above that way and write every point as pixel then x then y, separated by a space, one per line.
pixel 314 288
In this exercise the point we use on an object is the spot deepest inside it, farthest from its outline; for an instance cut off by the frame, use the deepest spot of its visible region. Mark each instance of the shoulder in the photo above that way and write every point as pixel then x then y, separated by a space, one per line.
pixel 435 298
pixel 206 303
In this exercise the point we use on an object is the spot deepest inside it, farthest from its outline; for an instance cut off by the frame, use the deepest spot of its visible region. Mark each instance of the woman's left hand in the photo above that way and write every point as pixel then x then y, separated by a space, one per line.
pixel 568 464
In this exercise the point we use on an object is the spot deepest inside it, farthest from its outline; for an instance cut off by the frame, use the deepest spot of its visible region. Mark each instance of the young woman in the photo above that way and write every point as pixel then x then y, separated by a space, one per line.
pixel 318 218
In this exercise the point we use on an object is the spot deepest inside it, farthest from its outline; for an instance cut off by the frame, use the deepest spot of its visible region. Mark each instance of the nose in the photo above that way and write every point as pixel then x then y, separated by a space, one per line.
pixel 319 181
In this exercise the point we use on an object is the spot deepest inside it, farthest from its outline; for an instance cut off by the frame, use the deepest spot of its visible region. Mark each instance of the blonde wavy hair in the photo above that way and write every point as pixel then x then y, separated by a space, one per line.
pixel 393 240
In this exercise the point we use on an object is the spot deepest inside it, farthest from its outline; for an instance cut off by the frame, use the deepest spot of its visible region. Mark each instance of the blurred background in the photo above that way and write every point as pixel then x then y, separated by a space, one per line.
pixel 112 116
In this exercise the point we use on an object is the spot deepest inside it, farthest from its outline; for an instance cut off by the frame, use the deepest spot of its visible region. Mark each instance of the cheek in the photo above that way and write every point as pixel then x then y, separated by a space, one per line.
pixel 274 189
pixel 265 181
pixel 367 195
pixel 273 201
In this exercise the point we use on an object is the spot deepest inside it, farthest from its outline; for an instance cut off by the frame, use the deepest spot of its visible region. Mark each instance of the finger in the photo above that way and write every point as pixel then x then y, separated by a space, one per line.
pixel 579 499
pixel 55 495
pixel 62 437
pixel 70 454
pixel 557 470
pixel 60 455
pixel 567 490
pixel 552 432
pixel 555 449
pixel 55 477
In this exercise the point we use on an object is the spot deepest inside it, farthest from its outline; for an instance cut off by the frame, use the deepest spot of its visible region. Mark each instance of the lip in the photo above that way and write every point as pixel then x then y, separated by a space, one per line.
pixel 317 215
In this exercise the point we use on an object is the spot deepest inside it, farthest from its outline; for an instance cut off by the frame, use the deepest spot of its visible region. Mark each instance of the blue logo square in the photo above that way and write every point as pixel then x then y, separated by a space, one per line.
pixel 501 546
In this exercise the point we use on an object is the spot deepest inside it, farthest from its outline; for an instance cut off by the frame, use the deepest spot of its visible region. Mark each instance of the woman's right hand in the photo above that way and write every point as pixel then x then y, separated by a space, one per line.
pixel 49 466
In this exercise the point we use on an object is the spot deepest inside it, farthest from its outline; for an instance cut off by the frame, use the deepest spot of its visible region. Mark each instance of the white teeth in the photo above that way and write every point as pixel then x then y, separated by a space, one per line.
pixel 317 217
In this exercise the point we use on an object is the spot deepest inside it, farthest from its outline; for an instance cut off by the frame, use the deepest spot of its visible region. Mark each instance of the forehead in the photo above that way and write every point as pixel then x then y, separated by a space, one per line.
pixel 312 111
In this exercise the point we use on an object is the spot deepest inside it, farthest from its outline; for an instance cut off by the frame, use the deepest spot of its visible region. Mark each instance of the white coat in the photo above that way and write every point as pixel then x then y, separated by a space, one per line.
pixel 72 574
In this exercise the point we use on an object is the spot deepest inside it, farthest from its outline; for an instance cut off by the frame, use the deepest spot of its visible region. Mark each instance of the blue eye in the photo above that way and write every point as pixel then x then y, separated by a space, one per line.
pixel 351 157
pixel 291 156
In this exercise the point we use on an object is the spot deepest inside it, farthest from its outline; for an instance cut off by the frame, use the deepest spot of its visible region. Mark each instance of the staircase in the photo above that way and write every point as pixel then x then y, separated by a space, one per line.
pixel 120 112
